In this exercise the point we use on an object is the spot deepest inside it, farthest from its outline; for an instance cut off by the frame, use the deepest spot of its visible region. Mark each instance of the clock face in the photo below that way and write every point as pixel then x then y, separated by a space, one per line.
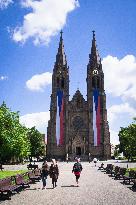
pixel 95 72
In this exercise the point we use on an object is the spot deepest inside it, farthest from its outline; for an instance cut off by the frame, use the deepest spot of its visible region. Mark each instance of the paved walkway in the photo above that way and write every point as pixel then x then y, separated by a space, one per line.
pixel 96 188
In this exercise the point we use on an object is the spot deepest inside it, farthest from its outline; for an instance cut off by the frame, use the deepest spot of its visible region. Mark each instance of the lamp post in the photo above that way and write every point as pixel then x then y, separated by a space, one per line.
pixel 89 157
pixel 67 157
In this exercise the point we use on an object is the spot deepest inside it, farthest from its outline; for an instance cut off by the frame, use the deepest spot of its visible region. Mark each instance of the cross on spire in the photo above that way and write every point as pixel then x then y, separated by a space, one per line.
pixel 61 57
pixel 94 56
pixel 93 34
pixel 61 33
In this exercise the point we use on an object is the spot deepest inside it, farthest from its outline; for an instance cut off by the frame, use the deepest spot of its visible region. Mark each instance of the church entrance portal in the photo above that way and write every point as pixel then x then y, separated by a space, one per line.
pixel 78 150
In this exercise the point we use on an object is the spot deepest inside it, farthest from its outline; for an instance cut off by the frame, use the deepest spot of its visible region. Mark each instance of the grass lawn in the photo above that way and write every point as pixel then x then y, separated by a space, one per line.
pixel 4 173
pixel 132 169
pixel 127 172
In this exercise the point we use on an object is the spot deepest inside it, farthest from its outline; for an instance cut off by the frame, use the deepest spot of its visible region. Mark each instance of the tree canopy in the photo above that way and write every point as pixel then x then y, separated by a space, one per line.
pixel 37 146
pixel 127 138
pixel 16 141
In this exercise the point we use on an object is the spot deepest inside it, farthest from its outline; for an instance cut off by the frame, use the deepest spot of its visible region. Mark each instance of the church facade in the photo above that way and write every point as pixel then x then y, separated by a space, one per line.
pixel 78 127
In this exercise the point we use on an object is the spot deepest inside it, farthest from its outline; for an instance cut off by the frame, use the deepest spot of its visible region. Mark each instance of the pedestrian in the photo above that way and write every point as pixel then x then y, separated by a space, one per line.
pixel 45 172
pixel 77 168
pixel 54 172
pixel 95 161
pixel 67 159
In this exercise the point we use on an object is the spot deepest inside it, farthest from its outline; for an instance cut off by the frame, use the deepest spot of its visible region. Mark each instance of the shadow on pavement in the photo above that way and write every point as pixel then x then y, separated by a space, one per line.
pixel 70 186
pixel 129 186
pixel 31 189
pixel 132 189
pixel 50 188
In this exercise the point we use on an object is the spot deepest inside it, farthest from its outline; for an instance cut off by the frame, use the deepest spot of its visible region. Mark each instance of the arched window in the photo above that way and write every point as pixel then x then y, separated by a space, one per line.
pixel 78 103
pixel 98 82
pixel 62 83
pixel 69 149
pixel 93 82
pixel 57 81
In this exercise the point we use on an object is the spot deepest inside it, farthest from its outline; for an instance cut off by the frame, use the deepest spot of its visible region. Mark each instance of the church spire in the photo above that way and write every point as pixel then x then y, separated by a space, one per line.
pixel 94 58
pixel 61 57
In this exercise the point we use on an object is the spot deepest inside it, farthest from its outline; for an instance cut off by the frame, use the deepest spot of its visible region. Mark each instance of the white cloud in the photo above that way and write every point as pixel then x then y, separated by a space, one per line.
pixel 120 78
pixel 3 77
pixel 130 96
pixel 44 21
pixel 116 110
pixel 120 82
pixel 39 120
pixel 5 3
pixel 114 137
pixel 120 75
pixel 119 116
pixel 39 82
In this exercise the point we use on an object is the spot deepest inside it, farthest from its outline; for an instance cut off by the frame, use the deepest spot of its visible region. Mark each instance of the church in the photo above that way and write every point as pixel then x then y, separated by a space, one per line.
pixel 78 127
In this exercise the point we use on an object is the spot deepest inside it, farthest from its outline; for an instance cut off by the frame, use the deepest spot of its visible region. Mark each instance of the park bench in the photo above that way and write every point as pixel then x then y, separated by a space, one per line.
pixel 37 172
pixel 20 180
pixel 109 168
pixel 1 167
pixel 7 187
pixel 32 166
pixel 134 183
pixel 33 177
pixel 115 171
pixel 130 177
pixel 101 167
pixel 121 173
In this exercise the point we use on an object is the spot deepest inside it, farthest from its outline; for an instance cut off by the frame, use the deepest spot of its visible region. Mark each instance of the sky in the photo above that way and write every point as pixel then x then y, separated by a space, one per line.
pixel 29 38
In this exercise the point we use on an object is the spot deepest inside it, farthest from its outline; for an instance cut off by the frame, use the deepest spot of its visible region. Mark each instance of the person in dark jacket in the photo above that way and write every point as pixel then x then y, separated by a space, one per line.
pixel 54 172
pixel 45 172
pixel 77 168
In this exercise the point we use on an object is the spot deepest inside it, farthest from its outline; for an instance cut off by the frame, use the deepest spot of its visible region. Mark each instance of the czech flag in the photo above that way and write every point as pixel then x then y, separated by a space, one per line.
pixel 96 117
pixel 60 118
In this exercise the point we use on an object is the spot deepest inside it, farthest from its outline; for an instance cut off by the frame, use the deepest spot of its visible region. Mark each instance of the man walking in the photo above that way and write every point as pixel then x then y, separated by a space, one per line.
pixel 45 172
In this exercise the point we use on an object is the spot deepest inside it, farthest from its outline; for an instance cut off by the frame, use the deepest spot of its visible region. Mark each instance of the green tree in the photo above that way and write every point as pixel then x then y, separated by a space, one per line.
pixel 14 143
pixel 37 147
pixel 116 151
pixel 127 138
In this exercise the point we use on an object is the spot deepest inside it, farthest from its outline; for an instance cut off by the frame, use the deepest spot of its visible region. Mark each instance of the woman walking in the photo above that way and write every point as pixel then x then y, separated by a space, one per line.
pixel 95 161
pixel 77 168
pixel 54 172
pixel 45 172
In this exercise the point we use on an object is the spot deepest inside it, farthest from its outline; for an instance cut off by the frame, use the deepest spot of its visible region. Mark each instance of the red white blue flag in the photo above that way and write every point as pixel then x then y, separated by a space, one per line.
pixel 96 117
pixel 60 118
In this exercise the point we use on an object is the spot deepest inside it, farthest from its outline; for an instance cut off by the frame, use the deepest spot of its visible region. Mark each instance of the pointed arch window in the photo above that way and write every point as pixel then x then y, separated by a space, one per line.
pixel 57 81
pixel 78 103
pixel 93 82
pixel 62 82
pixel 98 82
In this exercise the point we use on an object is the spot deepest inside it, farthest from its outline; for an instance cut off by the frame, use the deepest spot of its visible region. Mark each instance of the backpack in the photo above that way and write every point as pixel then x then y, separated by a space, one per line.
pixel 77 167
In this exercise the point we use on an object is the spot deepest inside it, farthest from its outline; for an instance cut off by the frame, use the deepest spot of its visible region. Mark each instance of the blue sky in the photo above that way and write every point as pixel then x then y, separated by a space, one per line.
pixel 29 37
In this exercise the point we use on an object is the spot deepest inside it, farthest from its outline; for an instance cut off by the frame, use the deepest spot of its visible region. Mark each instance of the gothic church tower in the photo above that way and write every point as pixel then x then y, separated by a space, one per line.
pixel 59 99
pixel 99 136
pixel 78 127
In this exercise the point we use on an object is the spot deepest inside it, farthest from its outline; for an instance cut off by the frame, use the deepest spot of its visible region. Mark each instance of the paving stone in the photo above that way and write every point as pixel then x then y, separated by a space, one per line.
pixel 96 188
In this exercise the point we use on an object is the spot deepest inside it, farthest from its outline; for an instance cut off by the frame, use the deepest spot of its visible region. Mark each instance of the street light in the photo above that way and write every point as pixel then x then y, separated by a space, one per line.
pixel 89 157
pixel 67 157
